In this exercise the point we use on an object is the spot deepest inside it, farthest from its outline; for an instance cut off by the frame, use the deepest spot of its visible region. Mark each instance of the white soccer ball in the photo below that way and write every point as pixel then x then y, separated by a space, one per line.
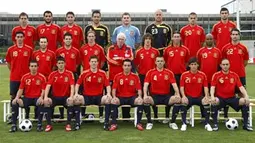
pixel 25 125
pixel 232 124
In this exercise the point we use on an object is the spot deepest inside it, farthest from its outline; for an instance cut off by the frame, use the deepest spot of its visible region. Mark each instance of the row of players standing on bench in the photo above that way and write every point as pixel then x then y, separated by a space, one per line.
pixel 192 36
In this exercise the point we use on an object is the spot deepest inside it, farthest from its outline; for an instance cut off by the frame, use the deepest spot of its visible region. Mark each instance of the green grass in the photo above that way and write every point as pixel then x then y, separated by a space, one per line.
pixel 93 132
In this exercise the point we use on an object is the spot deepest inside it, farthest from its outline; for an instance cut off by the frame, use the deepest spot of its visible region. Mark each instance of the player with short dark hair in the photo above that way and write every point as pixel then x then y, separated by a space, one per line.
pixel 159 81
pixel 161 32
pixel 221 31
pixel 61 82
pixel 193 35
pixel 32 87
pixel 50 30
pixel 192 85
pixel 28 30
pixel 176 56
pixel 126 90
pixel 223 86
pixel 74 29
pixel 94 81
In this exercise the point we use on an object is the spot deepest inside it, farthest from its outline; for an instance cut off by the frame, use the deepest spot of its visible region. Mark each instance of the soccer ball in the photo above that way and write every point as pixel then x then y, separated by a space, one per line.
pixel 25 125
pixel 232 124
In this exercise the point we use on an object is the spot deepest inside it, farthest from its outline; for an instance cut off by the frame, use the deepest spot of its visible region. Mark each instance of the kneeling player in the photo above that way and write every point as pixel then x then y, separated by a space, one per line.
pixel 62 84
pixel 94 81
pixel 159 80
pixel 126 86
pixel 33 85
pixel 193 84
pixel 223 87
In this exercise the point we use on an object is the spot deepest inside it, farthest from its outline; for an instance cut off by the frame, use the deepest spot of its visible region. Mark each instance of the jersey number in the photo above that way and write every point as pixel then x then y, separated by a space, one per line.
pixel 154 31
pixel 230 51
pixel 121 82
pixel 28 81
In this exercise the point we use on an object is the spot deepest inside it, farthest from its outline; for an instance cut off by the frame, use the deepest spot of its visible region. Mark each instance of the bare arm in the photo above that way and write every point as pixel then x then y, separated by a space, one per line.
pixel 72 91
pixel 212 91
pixel 19 93
pixel 145 89
pixel 9 66
pixel 206 90
pixel 47 90
pixel 108 90
pixel 176 89
pixel 244 92
pixel 140 93
pixel 245 63
pixel 77 86
pixel 113 93
pixel 42 94
pixel 182 92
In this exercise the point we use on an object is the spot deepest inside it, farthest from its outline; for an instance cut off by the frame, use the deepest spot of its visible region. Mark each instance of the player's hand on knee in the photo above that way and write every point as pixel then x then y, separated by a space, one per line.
pixel 39 101
pixel 78 99
pixel 47 102
pixel 185 100
pixel 147 99
pixel 70 101
pixel 106 99
pixel 177 99
pixel 214 100
pixel 247 101
pixel 206 100
pixel 15 101
pixel 115 101
pixel 20 103
pixel 139 100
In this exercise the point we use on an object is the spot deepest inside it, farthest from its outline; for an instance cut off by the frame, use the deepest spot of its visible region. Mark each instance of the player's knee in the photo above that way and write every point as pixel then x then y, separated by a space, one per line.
pixel 78 100
pixel 20 102
pixel 241 101
pixel 69 101
pixel 205 101
pixel 115 101
pixel 138 101
pixel 184 101
pixel 148 100
pixel 174 100
pixel 47 103
pixel 106 100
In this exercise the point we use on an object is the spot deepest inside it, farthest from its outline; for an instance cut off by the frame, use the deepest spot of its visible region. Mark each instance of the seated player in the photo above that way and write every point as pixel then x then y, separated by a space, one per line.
pixel 159 80
pixel 94 81
pixel 61 82
pixel 32 87
pixel 126 90
pixel 192 85
pixel 223 86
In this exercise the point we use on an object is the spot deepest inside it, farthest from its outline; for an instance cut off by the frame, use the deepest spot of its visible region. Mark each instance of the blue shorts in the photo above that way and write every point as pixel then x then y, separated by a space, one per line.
pixel 161 99
pixel 243 81
pixel 194 101
pixel 92 100
pixel 127 100
pixel 233 102
pixel 29 101
pixel 14 87
pixel 59 101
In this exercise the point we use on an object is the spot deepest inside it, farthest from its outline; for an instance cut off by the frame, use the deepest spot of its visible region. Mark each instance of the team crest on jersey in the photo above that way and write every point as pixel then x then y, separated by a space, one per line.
pixel 66 79
pixel 73 56
pixel 29 33
pixel 131 82
pixel 47 58
pixel 166 77
pixel 38 82
pixel 182 53
pixel 215 55
pixel 75 32
pixel 231 80
pixel 198 32
pixel 221 80
pixel 101 33
pixel 199 80
pixel 152 55
pixel 240 51
pixel 99 80
pixel 15 54
pixel 53 31
pixel 96 52
pixel 164 31
pixel 25 53
pixel 42 31
pixel 132 33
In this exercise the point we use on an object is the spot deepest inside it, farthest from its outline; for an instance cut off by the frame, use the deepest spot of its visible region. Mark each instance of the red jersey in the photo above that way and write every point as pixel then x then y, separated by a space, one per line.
pixel 145 59
pixel 160 81
pixel 87 51
pixel 61 82
pixel 72 57
pixel 225 84
pixel 176 58
pixel 77 34
pixel 209 60
pixel 93 83
pixel 192 37
pixel 32 85
pixel 30 34
pixel 52 33
pixel 221 33
pixel 236 54
pixel 126 85
pixel 193 83
pixel 19 59
pixel 118 55
pixel 46 61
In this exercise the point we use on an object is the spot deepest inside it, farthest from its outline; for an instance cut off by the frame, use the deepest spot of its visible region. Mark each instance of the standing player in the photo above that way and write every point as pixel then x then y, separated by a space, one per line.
pixel 74 29
pixel 238 56
pixel 17 55
pixel 192 85
pixel 126 90
pixel 28 30
pixel 159 81
pixel 221 30
pixel 161 32
pixel 86 51
pixel 61 82
pixel 32 87
pixel 94 81
pixel 176 56
pixel 46 58
pixel 223 88
pixel 193 35
pixel 49 30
